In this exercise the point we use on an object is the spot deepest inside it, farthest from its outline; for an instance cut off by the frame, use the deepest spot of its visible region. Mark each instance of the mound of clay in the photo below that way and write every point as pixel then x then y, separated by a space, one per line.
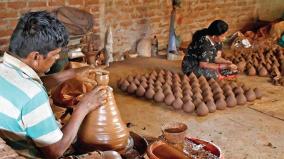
pixel 177 104
pixel 202 109
pixel 188 107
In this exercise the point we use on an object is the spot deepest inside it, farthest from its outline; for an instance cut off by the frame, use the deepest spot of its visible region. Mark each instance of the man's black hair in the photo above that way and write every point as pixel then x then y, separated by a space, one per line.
pixel 38 31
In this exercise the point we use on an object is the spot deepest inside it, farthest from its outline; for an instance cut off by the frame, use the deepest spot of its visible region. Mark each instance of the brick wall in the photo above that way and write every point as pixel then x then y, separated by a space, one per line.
pixel 131 19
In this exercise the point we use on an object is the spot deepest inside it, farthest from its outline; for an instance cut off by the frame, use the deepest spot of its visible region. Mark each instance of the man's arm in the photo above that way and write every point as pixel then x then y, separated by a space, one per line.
pixel 89 102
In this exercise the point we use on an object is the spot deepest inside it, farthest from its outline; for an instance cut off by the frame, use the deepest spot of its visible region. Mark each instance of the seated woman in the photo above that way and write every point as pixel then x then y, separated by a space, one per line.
pixel 204 53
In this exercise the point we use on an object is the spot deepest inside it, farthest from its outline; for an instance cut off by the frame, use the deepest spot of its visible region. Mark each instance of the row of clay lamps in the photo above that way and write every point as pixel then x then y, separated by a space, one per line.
pixel 262 62
pixel 188 93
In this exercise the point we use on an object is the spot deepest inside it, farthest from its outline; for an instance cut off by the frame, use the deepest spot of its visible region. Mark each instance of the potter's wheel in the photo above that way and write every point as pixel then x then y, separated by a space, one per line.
pixel 136 147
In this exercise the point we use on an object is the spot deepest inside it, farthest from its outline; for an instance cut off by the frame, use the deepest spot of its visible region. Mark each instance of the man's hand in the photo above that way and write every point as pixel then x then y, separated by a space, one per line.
pixel 94 99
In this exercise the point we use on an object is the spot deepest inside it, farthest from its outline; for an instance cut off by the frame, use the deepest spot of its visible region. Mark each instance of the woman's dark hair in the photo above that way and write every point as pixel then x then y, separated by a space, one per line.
pixel 217 27
pixel 38 31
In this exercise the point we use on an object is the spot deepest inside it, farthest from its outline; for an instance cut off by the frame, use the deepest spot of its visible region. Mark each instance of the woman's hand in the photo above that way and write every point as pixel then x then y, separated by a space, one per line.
pixel 94 99
pixel 232 67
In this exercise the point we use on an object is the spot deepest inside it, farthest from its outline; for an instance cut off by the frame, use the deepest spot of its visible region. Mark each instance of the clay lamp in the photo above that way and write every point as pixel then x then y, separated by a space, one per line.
pixel 250 95
pixel 159 96
pixel 178 94
pixel 211 81
pixel 238 90
pixel 262 72
pixel 186 98
pixel 211 105
pixel 227 88
pixel 192 76
pixel 195 84
pixel 258 93
pixel 185 83
pixel 169 82
pixel 176 83
pixel 206 89
pixel 153 77
pixel 187 92
pixel 169 73
pixel 144 84
pixel 143 78
pixel 209 97
pixel 150 93
pixel 234 85
pixel 158 84
pixel 140 91
pixel 119 82
pixel 131 88
pixel 221 104
pixel 231 101
pixel 169 99
pixel 154 73
pixel 219 96
pixel 229 93
pixel 176 78
pixel 188 106
pixel 161 79
pixel 186 87
pixel 151 81
pixel 136 81
pixel 207 92
pixel 162 71
pixel 197 96
pixel 217 90
pixel 185 78
pixel 147 75
pixel 241 66
pixel 241 99
pixel 124 85
pixel 167 91
pixel 202 109
pixel 196 102
pixel 251 71
pixel 130 78
pixel 177 89
pixel 177 104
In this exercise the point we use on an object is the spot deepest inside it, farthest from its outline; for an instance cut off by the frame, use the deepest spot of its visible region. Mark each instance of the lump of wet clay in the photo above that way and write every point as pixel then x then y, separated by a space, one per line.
pixel 250 95
pixel 124 85
pixel 202 109
pixel 211 106
pixel 169 99
pixel 131 88
pixel 188 107
pixel 221 104
pixel 231 101
pixel 150 93
pixel 258 93
pixel 177 104
pixel 159 96
pixel 140 91
pixel 241 99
